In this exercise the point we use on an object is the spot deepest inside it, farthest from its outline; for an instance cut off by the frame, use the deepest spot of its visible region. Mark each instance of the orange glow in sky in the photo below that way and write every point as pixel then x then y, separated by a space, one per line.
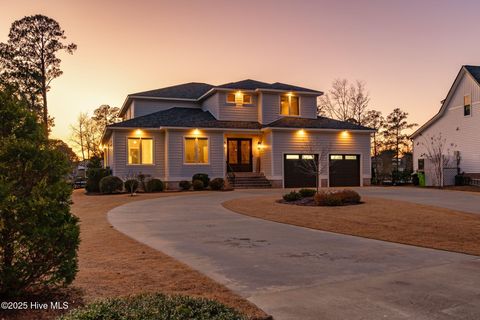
pixel 408 52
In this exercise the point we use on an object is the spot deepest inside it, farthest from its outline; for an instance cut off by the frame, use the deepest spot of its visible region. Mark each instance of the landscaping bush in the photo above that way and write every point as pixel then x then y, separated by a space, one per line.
pixel 337 198
pixel 203 177
pixel 217 184
pixel 39 236
pixel 198 185
pixel 131 185
pixel 305 193
pixel 185 185
pixel 94 175
pixel 292 196
pixel 154 307
pixel 155 185
pixel 111 184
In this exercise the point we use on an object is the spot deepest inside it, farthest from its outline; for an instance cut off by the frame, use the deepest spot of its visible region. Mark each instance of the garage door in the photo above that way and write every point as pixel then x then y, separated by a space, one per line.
pixel 299 170
pixel 344 170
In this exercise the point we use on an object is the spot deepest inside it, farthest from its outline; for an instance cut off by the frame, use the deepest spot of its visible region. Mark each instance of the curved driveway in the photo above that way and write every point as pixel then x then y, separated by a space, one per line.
pixel 298 273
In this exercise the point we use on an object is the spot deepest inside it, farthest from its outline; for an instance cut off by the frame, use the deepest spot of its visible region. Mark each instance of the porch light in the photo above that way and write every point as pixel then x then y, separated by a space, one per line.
pixel 301 132
pixel 138 132
pixel 345 134
pixel 259 145
pixel 196 132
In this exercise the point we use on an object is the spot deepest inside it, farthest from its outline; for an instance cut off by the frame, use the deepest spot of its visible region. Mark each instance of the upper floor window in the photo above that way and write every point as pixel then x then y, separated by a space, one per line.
pixel 140 151
pixel 196 150
pixel 239 98
pixel 467 105
pixel 289 105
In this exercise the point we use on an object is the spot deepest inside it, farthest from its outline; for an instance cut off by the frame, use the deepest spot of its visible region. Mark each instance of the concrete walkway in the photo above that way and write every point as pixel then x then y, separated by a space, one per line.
pixel 298 273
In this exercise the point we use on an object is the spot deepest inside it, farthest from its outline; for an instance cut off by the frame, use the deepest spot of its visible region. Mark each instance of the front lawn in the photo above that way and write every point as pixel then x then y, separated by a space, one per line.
pixel 382 219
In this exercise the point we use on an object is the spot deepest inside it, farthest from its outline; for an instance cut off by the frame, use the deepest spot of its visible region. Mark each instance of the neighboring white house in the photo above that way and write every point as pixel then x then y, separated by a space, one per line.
pixel 251 130
pixel 458 123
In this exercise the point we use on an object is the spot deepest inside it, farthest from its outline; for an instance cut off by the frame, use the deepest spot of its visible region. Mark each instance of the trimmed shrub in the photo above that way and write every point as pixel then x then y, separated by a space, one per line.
pixel 153 307
pixel 198 185
pixel 203 177
pixel 305 193
pixel 131 185
pixel 94 175
pixel 155 185
pixel 111 184
pixel 292 196
pixel 337 198
pixel 185 185
pixel 217 184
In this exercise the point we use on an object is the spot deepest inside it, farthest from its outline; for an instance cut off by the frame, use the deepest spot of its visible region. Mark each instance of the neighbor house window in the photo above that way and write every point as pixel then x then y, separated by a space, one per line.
pixel 239 98
pixel 467 105
pixel 140 151
pixel 289 105
pixel 421 164
pixel 196 150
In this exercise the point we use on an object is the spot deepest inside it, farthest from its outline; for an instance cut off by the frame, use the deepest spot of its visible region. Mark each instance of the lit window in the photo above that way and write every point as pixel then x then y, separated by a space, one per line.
pixel 196 150
pixel 247 99
pixel 467 105
pixel 308 157
pixel 350 157
pixel 140 151
pixel 336 157
pixel 239 98
pixel 292 156
pixel 289 105
pixel 231 98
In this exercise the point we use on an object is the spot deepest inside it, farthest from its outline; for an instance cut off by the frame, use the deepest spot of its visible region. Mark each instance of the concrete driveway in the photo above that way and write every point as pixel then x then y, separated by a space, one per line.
pixel 298 273
pixel 455 200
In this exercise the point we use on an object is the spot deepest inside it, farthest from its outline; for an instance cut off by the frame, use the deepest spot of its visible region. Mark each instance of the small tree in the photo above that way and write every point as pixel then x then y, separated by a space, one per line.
pixel 131 183
pixel 437 153
pixel 39 236
pixel 374 119
pixel 317 166
pixel 395 136
pixel 30 60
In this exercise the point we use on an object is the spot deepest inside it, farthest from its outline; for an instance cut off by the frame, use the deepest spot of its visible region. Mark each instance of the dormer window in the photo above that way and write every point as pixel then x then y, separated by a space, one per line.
pixel 289 105
pixel 239 98
pixel 467 105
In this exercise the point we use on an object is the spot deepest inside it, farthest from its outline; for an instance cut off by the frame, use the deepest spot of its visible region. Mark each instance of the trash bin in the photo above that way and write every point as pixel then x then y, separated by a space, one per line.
pixel 421 179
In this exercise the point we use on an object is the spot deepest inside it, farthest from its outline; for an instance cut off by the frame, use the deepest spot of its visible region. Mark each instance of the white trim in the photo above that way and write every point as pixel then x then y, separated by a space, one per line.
pixel 317 129
pixel 167 164
pixel 184 138
pixel 318 93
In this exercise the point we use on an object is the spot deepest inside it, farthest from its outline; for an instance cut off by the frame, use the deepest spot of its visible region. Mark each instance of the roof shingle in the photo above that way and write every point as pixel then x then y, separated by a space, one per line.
pixel 474 71
pixel 197 118
pixel 191 90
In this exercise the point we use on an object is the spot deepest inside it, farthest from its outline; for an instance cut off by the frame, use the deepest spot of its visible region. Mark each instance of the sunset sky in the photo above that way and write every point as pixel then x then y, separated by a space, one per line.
pixel 407 52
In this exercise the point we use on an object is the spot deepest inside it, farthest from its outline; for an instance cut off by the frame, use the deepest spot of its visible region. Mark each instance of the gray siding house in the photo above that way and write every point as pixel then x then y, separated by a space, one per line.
pixel 246 129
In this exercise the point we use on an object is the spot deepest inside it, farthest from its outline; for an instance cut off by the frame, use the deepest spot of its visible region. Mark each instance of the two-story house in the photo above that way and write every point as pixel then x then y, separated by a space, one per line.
pixel 456 126
pixel 242 128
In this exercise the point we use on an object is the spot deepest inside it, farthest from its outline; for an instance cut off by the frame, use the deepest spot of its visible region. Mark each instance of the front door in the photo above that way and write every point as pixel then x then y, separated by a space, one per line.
pixel 239 154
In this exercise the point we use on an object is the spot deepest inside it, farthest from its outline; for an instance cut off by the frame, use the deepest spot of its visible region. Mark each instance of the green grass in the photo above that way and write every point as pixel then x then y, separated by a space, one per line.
pixel 154 307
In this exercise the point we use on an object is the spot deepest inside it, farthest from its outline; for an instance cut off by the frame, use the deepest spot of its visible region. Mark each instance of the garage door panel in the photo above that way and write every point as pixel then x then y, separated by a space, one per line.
pixel 344 170
pixel 297 170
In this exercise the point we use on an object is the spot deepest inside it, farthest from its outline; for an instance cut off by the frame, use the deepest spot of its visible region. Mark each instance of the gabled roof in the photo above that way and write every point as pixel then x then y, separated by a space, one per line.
pixel 197 91
pixel 191 91
pixel 197 118
pixel 474 72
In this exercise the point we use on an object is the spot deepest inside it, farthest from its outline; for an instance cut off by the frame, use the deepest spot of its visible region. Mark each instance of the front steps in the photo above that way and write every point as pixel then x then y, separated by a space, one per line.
pixel 249 180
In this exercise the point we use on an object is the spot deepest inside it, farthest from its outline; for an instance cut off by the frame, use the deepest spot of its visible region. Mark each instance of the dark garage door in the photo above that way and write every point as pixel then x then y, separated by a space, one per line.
pixel 299 170
pixel 344 170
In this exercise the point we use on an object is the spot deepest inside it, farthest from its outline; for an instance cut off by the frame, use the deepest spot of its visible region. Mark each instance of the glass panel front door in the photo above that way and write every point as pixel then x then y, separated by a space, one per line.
pixel 239 154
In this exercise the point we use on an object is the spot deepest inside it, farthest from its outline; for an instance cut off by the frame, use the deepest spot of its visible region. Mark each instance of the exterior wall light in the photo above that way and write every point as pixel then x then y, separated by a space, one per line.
pixel 138 132
pixel 196 132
